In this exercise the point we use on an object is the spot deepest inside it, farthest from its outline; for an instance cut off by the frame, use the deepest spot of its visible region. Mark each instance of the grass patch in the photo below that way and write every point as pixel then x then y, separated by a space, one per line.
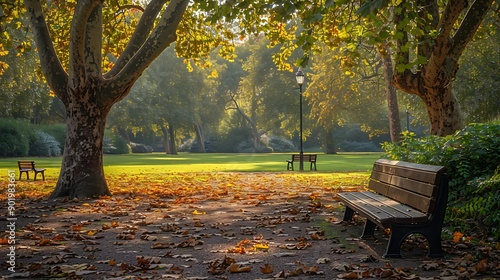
pixel 143 172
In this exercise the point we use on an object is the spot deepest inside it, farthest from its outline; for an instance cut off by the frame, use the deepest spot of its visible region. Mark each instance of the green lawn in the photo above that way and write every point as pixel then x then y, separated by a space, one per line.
pixel 211 162
pixel 139 172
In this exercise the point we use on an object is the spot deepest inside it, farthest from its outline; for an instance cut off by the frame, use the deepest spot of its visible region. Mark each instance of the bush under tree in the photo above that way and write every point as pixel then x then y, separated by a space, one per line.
pixel 472 160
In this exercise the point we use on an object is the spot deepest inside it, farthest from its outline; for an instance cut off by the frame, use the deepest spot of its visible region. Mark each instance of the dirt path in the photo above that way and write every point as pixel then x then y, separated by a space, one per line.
pixel 238 230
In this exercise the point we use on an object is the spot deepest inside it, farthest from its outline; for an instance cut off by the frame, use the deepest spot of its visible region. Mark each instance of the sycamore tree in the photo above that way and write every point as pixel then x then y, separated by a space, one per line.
pixel 91 61
pixel 427 38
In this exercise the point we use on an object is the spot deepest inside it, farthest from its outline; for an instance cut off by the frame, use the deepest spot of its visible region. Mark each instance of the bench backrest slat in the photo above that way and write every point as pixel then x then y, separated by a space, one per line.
pixel 306 157
pixel 24 164
pixel 413 184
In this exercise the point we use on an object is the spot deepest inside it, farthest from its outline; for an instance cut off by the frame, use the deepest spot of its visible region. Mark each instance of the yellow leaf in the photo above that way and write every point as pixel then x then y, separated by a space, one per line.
pixel 196 212
pixel 260 246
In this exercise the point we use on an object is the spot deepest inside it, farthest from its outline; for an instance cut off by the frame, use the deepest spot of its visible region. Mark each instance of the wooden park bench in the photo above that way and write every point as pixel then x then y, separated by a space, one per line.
pixel 406 198
pixel 25 166
pixel 307 158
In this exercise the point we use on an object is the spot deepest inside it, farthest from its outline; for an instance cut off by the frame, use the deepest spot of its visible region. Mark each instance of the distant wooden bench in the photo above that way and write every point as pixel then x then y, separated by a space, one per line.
pixel 25 166
pixel 307 158
pixel 406 198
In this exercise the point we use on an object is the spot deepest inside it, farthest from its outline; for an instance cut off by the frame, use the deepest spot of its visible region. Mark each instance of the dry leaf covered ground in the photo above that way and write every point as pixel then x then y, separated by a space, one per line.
pixel 216 226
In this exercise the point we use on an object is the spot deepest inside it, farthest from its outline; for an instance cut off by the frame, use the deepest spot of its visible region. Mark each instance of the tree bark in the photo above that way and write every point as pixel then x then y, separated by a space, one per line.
pixel 166 140
pixel 173 146
pixel 392 97
pixel 199 138
pixel 82 173
pixel 328 142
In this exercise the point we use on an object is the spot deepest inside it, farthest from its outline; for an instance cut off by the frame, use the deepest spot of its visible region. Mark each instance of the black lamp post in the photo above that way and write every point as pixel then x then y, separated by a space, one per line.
pixel 300 80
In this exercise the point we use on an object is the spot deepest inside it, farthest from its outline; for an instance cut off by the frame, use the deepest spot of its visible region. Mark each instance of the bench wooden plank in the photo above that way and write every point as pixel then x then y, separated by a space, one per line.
pixel 421 172
pixel 422 203
pixel 383 210
pixel 406 183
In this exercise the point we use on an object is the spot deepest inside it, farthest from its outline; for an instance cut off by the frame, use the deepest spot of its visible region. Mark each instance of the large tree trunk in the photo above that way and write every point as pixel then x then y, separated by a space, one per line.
pixel 432 82
pixel 166 139
pixel 328 142
pixel 82 173
pixel 173 146
pixel 443 110
pixel 392 97
pixel 199 138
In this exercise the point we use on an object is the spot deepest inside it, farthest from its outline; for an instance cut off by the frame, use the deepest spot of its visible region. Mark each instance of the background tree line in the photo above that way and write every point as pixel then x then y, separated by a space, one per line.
pixel 92 53
pixel 248 104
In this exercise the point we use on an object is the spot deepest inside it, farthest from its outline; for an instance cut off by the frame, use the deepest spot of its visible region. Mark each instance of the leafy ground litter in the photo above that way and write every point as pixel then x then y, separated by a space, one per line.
pixel 219 226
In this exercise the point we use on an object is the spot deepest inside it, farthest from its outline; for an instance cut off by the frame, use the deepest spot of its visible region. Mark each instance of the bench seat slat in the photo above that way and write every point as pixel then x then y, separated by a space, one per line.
pixel 382 210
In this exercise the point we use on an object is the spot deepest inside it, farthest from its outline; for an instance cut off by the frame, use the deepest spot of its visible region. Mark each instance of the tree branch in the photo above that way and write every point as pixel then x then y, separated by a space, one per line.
pixel 469 26
pixel 141 33
pixel 93 43
pixel 54 73
pixel 442 43
pixel 161 37
pixel 77 44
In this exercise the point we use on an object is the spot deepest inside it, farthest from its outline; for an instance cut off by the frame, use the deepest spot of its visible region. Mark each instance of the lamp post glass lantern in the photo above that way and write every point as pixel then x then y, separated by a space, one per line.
pixel 299 76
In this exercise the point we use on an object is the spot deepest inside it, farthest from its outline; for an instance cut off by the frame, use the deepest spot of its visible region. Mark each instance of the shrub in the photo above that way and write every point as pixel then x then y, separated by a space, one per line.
pixel 44 145
pixel 58 131
pixel 355 146
pixel 140 148
pixel 234 140
pixel 115 144
pixel 14 140
pixel 471 157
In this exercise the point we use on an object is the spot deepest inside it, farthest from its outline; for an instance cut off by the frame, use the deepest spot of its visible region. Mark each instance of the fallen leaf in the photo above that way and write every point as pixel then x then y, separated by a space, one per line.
pixel 266 269
pixel 237 268
pixel 457 236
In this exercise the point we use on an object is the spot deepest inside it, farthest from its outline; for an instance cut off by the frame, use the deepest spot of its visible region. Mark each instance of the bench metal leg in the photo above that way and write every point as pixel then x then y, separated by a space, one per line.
pixel 27 175
pixel 400 233
pixel 348 213
pixel 311 167
pixel 289 165
pixel 43 175
pixel 368 230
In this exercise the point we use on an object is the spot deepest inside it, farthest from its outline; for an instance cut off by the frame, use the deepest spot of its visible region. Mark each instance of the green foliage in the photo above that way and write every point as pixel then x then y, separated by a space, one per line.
pixel 471 157
pixel 44 145
pixel 14 141
pixel 414 149
pixel 58 131
pixel 115 144
pixel 233 138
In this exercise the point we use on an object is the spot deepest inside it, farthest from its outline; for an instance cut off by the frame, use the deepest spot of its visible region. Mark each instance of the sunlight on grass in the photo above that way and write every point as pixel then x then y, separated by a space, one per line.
pixel 159 173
